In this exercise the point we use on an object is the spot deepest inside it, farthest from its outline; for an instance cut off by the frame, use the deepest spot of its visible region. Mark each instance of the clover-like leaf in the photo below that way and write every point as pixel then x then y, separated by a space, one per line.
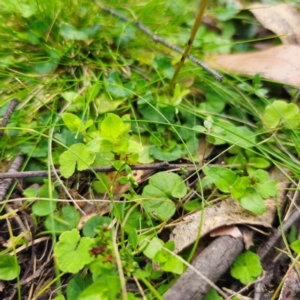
pixel 90 227
pixel 161 187
pixel 115 87
pixel 239 187
pixel 212 295
pixel 223 178
pixel 246 267
pixel 112 127
pixel 66 220
pixel 153 247
pixel 267 189
pixel 280 111
pixel 252 201
pixel 162 208
pixel 296 246
pixel 171 154
pixel 72 252
pixel 170 184
pixel 45 207
pixel 77 154
pixel 74 123
pixel 9 268
pixel 259 162
pixel 71 121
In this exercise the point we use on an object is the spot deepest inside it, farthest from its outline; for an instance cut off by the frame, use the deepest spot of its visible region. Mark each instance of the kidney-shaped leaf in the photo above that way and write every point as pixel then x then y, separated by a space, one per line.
pixel 170 184
pixel 72 252
pixel 77 154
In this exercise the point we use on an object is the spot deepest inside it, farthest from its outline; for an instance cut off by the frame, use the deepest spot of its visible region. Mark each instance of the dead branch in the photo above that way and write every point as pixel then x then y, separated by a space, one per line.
pixel 162 41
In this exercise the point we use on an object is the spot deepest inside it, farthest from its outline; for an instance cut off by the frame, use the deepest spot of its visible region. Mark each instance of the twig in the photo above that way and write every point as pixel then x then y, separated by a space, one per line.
pixel 8 114
pixel 264 250
pixel 156 166
pixel 213 262
pixel 162 41
pixel 5 184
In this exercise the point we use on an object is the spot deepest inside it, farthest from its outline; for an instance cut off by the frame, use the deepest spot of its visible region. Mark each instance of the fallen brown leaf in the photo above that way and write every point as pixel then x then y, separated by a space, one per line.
pixel 282 19
pixel 281 63
pixel 226 213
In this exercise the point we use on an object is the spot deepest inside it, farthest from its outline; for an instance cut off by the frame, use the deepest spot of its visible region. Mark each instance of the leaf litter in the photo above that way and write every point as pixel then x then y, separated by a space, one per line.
pixel 278 63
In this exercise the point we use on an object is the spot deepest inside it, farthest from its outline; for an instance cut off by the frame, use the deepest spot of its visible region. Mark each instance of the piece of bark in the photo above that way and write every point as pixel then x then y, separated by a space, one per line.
pixel 212 262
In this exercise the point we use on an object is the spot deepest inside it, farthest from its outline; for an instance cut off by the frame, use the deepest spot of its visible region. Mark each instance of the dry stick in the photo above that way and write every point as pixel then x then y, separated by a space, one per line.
pixel 162 41
pixel 274 238
pixel 191 40
pixel 213 262
pixel 156 166
pixel 8 114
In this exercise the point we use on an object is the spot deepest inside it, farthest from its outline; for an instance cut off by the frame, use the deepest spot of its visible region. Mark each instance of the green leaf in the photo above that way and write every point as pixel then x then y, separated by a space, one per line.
pixel 259 162
pixel 212 295
pixel 132 238
pixel 90 227
pixel 213 103
pixel 240 136
pixel 60 297
pixel 115 86
pixel 192 205
pixel 172 264
pixel 75 286
pixel 68 138
pixel 170 184
pixel 267 189
pixel 162 209
pixel 144 156
pixel 281 112
pixel 27 10
pixel 260 176
pixel 30 193
pixel 45 207
pixel 74 123
pixel 106 289
pixel 9 267
pixel 153 247
pixel 112 127
pixel 252 201
pixel 72 252
pixel 165 154
pixel 102 185
pixel 69 32
pixel 292 237
pixel 134 147
pixel 223 178
pixel 199 128
pixel 66 220
pixel 77 154
pixel 246 267
pixel 296 246
pixel 72 97
pixel 239 187
pixel 163 65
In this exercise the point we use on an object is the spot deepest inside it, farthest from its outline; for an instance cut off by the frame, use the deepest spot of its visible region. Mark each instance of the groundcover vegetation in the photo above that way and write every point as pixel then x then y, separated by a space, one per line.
pixel 111 156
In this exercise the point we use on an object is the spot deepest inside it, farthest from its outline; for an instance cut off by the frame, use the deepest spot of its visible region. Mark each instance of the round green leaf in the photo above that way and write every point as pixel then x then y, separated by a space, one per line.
pixel 170 184
pixel 77 154
pixel 246 267
pixel 89 228
pixel 9 268
pixel 252 201
pixel 223 178
pixel 72 252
